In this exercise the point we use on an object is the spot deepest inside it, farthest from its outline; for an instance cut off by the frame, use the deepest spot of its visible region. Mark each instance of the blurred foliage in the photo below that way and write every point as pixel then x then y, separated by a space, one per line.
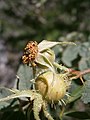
pixel 42 19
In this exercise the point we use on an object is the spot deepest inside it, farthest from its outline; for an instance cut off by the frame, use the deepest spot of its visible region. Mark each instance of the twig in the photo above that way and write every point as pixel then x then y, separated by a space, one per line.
pixel 78 74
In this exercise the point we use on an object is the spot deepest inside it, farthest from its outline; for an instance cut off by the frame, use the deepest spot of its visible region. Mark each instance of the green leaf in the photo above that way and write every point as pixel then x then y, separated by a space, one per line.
pixel 70 54
pixel 86 92
pixel 84 50
pixel 84 64
pixel 75 94
pixel 78 114
pixel 48 44
pixel 3 93
pixel 25 75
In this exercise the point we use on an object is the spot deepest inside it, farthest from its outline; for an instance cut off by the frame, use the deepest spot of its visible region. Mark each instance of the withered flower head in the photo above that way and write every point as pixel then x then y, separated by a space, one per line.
pixel 41 54
pixel 30 52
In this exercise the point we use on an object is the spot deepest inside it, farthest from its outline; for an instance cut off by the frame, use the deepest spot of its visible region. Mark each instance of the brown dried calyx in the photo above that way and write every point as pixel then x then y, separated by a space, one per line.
pixel 30 52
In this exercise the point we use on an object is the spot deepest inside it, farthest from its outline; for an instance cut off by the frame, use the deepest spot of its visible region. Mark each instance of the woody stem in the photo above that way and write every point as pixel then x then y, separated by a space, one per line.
pixel 78 73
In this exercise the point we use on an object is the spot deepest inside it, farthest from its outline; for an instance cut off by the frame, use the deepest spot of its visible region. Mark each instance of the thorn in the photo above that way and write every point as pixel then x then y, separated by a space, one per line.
pixel 82 80
pixel 60 103
pixel 17 76
pixel 54 106
pixel 68 94
pixel 63 101
pixel 32 81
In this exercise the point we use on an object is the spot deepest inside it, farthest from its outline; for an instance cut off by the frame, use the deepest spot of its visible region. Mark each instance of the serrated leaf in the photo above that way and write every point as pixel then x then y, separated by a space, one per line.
pixel 49 44
pixel 78 114
pixel 25 75
pixel 3 93
pixel 70 54
pixel 86 92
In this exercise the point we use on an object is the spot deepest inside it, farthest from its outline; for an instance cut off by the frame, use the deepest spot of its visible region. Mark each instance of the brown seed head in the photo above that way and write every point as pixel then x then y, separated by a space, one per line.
pixel 30 52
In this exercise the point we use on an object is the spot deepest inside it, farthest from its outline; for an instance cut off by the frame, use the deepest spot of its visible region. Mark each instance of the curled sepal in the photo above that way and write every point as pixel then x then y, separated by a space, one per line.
pixel 49 54
pixel 44 62
pixel 49 44
pixel 37 105
pixel 46 113
pixel 19 94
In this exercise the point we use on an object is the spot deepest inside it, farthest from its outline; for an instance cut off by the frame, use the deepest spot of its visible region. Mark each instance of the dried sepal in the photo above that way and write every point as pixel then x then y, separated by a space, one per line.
pixel 45 44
